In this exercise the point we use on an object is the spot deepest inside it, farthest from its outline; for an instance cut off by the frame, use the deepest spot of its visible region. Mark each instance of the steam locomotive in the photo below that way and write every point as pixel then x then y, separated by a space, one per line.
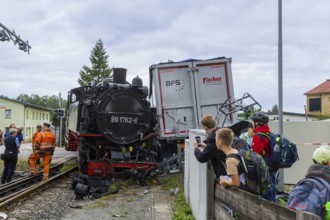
pixel 114 129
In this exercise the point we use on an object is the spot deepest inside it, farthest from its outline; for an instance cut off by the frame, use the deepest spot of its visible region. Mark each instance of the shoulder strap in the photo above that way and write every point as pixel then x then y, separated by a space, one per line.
pixel 264 134
pixel 236 156
pixel 316 181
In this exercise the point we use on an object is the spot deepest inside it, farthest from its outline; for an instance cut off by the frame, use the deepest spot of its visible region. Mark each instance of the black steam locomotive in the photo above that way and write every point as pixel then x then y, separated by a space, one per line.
pixel 113 128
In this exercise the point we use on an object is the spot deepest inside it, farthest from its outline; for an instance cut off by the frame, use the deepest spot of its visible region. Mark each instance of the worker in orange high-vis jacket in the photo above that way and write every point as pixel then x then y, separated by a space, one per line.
pixel 44 148
pixel 34 142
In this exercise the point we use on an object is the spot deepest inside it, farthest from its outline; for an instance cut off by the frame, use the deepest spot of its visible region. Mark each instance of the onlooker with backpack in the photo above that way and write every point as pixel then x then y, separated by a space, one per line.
pixel 261 145
pixel 312 193
pixel 224 138
pixel 245 168
pixel 210 151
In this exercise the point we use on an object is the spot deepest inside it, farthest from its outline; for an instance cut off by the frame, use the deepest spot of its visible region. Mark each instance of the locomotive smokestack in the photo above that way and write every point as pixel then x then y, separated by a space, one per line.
pixel 119 75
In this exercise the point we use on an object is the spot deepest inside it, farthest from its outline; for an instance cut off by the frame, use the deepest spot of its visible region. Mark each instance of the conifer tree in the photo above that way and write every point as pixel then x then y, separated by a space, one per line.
pixel 100 69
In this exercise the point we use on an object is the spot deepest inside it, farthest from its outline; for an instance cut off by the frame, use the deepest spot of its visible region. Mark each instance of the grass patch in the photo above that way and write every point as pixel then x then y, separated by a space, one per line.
pixel 182 208
pixel 22 165
pixel 67 166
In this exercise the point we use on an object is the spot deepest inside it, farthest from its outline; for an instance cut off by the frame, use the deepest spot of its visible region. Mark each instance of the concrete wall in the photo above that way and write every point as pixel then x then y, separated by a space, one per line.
pixel 197 187
pixel 303 133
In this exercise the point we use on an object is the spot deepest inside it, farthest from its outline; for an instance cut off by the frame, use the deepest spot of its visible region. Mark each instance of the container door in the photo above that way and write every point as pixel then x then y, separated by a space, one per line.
pixel 213 84
pixel 176 100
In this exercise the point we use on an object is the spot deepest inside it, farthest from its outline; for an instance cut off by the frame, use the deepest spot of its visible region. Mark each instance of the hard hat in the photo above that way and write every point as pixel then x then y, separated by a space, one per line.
pixel 46 123
pixel 322 155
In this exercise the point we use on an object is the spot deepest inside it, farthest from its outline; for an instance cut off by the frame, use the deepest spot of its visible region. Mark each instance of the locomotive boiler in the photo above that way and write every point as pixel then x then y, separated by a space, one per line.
pixel 113 128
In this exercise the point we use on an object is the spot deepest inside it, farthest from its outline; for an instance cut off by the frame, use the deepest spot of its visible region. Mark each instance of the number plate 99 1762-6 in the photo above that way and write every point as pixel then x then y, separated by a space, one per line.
pixel 124 119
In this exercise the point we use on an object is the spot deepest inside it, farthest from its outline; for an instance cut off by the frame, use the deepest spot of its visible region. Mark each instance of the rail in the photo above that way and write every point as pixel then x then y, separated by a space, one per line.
pixel 15 190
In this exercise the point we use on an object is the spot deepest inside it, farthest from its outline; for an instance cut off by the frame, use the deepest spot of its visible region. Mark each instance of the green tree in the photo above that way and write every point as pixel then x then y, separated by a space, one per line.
pixel 274 110
pixel 100 69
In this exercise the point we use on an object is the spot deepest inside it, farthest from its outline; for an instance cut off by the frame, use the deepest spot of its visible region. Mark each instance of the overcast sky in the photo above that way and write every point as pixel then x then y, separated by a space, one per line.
pixel 139 33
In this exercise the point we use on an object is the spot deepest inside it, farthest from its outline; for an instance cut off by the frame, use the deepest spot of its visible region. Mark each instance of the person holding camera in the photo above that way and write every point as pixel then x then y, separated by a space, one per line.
pixel 10 156
pixel 209 149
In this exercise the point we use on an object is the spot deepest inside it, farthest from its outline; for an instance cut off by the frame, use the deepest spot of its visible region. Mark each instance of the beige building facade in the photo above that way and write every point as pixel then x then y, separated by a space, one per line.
pixel 318 99
pixel 23 115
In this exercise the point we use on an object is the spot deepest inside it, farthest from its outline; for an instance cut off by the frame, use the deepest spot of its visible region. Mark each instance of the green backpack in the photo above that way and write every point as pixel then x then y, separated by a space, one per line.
pixel 255 171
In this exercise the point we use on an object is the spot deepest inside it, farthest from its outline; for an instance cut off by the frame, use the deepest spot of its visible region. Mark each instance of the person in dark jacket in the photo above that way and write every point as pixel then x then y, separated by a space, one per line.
pixel 210 150
pixel 10 156
pixel 7 133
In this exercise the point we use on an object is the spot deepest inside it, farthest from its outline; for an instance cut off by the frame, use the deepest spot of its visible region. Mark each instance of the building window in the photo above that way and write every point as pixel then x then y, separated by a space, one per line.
pixel 43 116
pixel 40 115
pixel 47 117
pixel 315 105
pixel 32 115
pixel 27 114
pixel 8 113
pixel 37 115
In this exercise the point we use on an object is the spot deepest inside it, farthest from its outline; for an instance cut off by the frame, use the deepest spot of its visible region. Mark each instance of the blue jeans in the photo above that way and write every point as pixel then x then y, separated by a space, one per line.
pixel 271 195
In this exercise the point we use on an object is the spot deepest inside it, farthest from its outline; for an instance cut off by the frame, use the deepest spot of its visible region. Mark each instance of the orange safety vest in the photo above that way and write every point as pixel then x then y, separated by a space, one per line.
pixel 46 139
pixel 34 138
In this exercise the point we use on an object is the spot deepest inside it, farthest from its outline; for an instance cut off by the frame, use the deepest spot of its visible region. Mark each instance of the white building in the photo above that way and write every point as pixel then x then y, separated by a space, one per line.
pixel 290 116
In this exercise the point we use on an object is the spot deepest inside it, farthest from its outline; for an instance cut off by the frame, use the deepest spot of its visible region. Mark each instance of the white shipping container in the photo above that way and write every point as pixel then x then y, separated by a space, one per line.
pixel 183 92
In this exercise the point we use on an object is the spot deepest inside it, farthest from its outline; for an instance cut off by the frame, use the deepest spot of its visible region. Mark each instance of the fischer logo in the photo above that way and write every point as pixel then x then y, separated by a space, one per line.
pixel 212 80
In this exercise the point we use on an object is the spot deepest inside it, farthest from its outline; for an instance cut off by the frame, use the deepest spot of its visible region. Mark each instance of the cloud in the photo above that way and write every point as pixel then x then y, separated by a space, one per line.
pixel 137 34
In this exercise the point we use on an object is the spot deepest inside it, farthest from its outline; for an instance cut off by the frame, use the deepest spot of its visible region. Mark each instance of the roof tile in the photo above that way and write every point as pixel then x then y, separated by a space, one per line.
pixel 320 89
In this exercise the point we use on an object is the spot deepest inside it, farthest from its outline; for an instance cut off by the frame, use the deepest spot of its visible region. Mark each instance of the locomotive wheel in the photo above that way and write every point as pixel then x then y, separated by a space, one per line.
pixel 146 176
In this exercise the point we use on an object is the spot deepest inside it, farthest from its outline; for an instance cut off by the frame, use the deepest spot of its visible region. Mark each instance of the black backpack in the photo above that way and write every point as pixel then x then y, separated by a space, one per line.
pixel 255 171
pixel 283 153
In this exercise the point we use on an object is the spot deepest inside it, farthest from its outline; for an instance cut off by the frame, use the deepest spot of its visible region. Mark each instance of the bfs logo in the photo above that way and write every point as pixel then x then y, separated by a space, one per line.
pixel 177 84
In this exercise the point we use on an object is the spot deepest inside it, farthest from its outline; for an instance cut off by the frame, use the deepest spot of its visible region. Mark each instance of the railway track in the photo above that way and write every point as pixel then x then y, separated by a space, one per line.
pixel 17 189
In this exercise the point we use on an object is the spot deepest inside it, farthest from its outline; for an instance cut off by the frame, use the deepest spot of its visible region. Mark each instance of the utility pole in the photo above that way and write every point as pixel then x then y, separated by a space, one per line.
pixel 60 132
pixel 280 87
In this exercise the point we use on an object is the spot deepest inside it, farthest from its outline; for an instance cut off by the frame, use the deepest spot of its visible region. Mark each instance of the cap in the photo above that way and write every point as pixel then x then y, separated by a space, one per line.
pixel 46 123
pixel 322 154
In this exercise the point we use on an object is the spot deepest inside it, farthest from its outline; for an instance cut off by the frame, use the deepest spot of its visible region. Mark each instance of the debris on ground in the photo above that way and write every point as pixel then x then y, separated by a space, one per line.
pixel 174 191
pixel 3 215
